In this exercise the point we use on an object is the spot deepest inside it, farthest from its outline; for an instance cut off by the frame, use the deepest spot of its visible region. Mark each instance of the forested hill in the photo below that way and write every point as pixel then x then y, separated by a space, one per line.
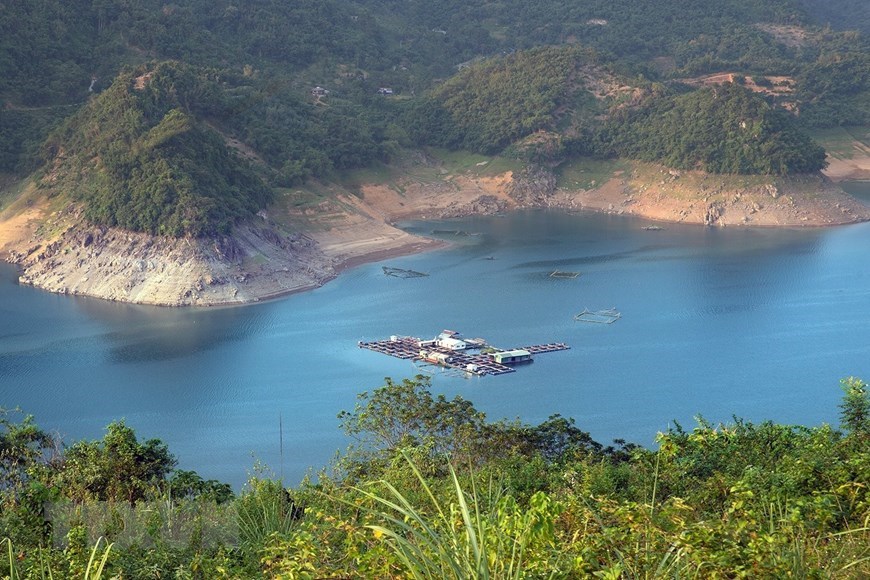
pixel 139 158
pixel 841 14
pixel 754 138
pixel 159 151
pixel 443 67
pixel 51 48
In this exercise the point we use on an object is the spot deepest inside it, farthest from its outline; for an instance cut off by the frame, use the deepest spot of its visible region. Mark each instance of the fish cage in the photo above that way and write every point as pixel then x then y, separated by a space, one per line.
pixel 564 275
pixel 607 316
pixel 403 273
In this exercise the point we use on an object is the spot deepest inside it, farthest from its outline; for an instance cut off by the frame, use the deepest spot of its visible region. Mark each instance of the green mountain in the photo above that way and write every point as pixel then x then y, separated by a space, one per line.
pixel 139 157
pixel 491 104
pixel 161 150
pixel 488 77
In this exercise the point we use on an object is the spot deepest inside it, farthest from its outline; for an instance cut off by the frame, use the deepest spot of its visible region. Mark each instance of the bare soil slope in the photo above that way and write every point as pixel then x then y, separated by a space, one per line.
pixel 695 197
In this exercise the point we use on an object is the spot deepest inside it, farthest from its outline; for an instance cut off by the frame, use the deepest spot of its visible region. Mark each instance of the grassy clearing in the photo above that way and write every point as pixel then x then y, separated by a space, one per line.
pixel 298 198
pixel 588 173
pixel 291 204
pixel 257 260
pixel 691 186
pixel 16 193
pixel 861 134
pixel 741 181
pixel 473 163
pixel 844 142
pixel 378 174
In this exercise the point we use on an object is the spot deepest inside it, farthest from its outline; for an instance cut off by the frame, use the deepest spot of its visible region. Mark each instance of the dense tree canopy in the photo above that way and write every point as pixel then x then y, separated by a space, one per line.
pixel 118 468
pixel 139 158
pixel 725 129
pixel 489 105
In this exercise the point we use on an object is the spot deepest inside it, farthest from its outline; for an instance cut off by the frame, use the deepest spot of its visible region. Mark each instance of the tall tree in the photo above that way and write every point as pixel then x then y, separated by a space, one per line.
pixel 117 468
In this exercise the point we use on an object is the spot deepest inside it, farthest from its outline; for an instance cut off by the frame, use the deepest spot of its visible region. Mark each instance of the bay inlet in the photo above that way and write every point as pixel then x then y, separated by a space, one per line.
pixel 757 323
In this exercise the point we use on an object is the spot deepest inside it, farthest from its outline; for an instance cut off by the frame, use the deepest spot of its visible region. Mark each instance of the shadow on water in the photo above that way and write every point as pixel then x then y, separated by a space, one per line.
pixel 585 260
pixel 144 334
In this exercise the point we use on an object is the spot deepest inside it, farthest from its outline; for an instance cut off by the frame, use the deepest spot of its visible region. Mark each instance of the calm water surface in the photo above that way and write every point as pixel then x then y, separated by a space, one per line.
pixel 756 323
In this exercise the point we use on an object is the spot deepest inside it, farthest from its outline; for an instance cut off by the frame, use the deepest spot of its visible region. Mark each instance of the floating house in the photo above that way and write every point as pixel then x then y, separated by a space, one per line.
pixel 510 357
pixel 451 343
pixel 436 357
pixel 450 340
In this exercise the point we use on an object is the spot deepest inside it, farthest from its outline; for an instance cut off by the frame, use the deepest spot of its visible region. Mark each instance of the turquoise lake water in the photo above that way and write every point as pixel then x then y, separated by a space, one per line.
pixel 758 323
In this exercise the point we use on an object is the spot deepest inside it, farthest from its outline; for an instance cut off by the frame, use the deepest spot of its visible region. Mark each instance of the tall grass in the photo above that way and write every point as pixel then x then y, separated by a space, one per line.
pixel 94 570
pixel 264 510
pixel 469 536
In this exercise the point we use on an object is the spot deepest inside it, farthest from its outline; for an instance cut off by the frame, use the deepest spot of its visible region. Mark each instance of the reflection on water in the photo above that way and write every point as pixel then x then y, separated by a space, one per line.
pixel 178 335
pixel 759 323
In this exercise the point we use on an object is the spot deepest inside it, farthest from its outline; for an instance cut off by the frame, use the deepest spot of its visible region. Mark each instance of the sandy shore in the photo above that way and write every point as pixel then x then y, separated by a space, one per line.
pixel 19 226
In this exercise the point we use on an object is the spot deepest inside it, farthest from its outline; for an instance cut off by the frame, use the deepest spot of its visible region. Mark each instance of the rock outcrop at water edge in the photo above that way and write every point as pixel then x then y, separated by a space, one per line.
pixel 256 261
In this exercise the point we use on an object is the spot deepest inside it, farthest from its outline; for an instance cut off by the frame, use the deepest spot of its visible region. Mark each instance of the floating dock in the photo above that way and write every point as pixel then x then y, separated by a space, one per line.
pixel 471 355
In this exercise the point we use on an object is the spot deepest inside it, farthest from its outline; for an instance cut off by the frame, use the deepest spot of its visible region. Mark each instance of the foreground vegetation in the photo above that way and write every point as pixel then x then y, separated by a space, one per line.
pixel 431 489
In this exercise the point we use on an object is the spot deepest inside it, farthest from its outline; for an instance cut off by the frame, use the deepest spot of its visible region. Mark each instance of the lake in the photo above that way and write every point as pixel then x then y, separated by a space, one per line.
pixel 757 323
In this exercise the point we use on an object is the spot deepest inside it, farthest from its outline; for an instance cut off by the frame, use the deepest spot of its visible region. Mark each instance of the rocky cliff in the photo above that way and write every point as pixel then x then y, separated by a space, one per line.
pixel 255 262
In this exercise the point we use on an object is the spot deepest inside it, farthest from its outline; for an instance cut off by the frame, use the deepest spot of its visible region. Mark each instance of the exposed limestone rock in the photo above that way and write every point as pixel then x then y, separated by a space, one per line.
pixel 533 186
pixel 253 263
pixel 701 198
pixel 772 190
pixel 713 214
pixel 61 254
pixel 483 205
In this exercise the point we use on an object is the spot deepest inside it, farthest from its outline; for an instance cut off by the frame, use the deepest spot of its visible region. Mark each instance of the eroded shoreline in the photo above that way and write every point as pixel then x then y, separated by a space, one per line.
pixel 266 260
